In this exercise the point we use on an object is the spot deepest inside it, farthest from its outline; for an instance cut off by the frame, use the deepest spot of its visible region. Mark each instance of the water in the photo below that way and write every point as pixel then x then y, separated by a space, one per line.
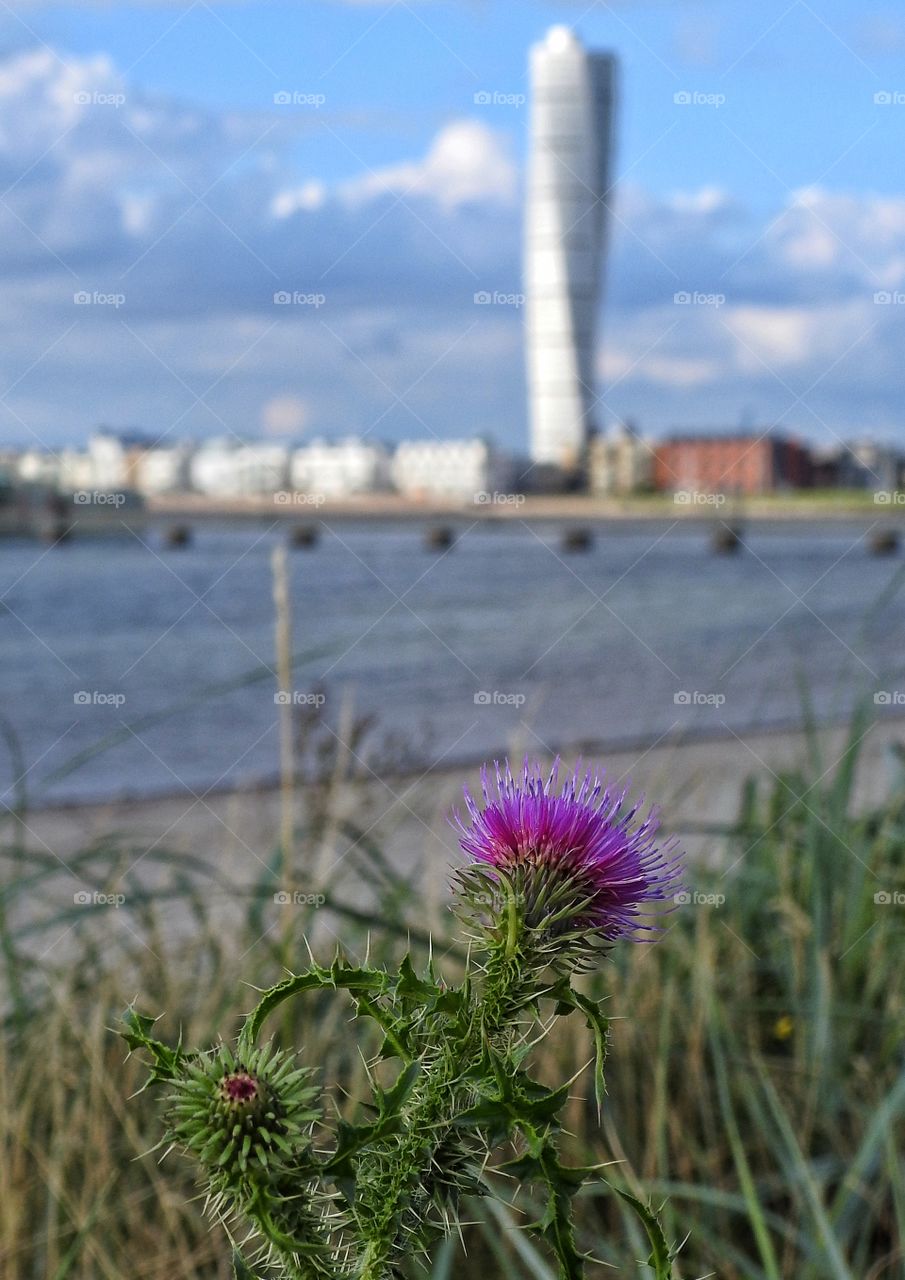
pixel 565 648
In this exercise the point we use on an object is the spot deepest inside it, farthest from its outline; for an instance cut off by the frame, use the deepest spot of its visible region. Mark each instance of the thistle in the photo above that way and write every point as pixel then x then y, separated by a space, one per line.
pixel 245 1121
pixel 565 868
pixel 557 874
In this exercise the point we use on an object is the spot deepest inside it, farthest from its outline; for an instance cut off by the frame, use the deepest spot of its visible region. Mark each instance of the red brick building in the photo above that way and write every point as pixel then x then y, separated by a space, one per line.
pixel 731 464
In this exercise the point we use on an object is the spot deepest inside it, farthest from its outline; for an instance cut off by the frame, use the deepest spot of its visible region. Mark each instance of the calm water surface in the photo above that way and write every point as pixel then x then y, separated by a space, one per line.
pixel 504 640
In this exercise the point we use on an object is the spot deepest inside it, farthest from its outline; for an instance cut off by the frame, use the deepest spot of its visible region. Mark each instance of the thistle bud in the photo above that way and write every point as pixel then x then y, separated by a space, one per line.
pixel 246 1121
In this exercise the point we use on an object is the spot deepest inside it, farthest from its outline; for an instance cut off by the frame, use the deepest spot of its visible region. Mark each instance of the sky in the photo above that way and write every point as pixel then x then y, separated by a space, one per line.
pixel 244 219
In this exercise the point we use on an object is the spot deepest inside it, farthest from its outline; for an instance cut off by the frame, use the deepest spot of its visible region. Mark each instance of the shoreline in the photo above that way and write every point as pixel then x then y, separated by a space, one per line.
pixel 697 785
pixel 504 508
pixel 598 749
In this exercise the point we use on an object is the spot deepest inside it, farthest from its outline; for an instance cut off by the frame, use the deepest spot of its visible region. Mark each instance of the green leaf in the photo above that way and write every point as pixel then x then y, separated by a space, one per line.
pixel 352 1138
pixel 409 984
pixel 660 1260
pixel 598 1024
pixel 555 1223
pixel 241 1269
pixel 165 1062
pixel 360 981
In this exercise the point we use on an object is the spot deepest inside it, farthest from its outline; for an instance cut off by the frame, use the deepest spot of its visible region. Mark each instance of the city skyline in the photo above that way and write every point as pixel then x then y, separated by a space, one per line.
pixel 195 167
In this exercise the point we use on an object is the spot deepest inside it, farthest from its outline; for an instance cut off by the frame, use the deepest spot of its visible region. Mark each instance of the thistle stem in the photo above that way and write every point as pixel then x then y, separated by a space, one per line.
pixel 387 1189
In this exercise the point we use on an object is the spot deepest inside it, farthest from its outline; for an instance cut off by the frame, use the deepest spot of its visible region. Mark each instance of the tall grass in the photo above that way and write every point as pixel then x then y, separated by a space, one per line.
pixel 756 1080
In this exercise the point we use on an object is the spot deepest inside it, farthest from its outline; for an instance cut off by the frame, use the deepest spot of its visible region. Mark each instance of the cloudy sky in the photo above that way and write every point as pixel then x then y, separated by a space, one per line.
pixel 168 169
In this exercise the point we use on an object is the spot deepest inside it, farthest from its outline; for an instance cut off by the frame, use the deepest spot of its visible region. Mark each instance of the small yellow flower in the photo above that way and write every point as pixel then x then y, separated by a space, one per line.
pixel 783 1027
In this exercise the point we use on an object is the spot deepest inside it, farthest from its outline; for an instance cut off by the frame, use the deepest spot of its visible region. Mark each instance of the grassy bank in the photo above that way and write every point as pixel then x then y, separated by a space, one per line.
pixel 756 1080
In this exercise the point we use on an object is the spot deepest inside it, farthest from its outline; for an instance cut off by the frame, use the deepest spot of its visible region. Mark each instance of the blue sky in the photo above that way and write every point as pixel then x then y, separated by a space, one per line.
pixel 146 165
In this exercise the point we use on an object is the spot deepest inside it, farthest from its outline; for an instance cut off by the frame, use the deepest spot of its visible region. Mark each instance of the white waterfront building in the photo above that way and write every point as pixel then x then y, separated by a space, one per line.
pixel 229 469
pixel 163 470
pixel 460 469
pixel 109 457
pixel 573 105
pixel 67 470
pixel 339 469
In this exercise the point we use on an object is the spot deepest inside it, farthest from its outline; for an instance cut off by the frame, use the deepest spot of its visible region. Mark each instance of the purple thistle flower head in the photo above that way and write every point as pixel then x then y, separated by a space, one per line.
pixel 584 863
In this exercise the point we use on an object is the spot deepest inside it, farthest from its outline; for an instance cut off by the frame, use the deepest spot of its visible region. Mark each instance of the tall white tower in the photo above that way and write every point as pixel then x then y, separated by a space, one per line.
pixel 573 105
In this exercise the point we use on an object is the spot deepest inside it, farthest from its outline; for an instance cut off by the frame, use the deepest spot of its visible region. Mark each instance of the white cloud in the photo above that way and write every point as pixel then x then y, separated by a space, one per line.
pixel 467 163
pixel 310 195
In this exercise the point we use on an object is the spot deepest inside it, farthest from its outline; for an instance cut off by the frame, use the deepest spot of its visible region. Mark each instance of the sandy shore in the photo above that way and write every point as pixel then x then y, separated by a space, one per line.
pixel 782 507
pixel 696 783
pixel 178 854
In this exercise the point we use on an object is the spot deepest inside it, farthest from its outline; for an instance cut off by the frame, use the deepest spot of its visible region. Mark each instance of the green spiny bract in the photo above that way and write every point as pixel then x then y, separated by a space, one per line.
pixel 246 1118
pixel 247 1121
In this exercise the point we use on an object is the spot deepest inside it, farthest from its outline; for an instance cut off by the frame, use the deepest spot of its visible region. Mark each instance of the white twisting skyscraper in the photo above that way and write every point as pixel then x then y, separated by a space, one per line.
pixel 573 103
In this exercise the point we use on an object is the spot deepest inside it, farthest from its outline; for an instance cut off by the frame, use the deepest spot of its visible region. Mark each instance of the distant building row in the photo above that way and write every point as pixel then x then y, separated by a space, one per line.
pixel 750 463
pixel 458 469
pixel 621 462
